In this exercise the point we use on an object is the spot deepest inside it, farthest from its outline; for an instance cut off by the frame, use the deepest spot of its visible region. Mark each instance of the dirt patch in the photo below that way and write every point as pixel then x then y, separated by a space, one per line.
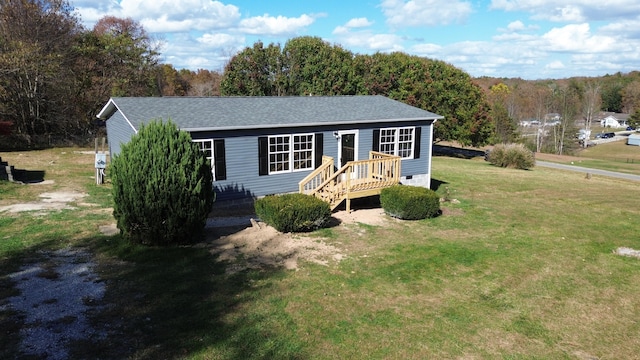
pixel 48 201
pixel 259 245
pixel 625 251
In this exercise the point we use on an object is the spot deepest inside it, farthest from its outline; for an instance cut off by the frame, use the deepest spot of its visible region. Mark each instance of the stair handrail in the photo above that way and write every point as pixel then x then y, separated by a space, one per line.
pixel 325 170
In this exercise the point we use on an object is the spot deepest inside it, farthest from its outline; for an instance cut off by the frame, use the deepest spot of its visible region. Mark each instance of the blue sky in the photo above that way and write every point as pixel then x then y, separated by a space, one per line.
pixel 529 39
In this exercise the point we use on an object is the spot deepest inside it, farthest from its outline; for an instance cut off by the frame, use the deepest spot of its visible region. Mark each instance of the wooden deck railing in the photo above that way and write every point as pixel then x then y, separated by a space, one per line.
pixel 354 180
pixel 317 176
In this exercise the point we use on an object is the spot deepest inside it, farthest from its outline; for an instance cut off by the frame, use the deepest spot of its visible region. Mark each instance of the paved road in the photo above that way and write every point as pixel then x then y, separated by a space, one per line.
pixel 589 170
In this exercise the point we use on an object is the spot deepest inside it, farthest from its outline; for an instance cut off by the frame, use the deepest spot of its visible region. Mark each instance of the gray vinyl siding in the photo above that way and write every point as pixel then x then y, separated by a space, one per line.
pixel 241 148
pixel 240 121
pixel 118 131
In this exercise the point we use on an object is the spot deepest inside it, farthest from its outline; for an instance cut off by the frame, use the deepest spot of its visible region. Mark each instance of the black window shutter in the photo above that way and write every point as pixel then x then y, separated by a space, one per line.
pixel 416 142
pixel 319 150
pixel 376 140
pixel 263 155
pixel 219 160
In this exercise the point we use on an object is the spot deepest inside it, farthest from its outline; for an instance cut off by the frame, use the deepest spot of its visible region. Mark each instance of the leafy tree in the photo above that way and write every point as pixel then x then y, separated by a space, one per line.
pixel 162 186
pixel 503 124
pixel 314 67
pixel 37 57
pixel 567 102
pixel 310 66
pixel 634 119
pixel 591 102
pixel 454 95
pixel 612 95
pixel 128 57
pixel 171 82
pixel 255 71
pixel 631 96
pixel 202 82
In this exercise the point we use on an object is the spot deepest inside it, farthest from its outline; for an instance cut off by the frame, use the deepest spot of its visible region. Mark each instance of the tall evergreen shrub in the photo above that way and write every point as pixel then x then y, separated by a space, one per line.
pixel 162 186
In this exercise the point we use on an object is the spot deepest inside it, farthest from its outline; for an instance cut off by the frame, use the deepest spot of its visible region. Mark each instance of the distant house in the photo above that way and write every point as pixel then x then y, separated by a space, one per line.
pixel 614 120
pixel 633 139
pixel 268 145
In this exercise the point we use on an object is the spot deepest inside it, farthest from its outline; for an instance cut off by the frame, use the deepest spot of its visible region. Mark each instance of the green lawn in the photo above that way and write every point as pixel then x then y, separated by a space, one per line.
pixel 612 156
pixel 522 268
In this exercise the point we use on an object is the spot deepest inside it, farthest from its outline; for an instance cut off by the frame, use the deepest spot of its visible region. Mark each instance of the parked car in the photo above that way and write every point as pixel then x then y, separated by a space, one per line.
pixel 605 135
pixel 630 128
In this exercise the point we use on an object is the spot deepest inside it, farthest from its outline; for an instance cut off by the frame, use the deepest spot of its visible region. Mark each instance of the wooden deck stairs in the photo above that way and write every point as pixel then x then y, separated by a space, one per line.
pixel 356 179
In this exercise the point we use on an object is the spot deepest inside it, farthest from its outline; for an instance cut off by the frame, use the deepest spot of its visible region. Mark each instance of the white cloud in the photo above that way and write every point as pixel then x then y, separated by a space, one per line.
pixel 367 40
pixel 416 13
pixel 571 10
pixel 555 65
pixel 221 40
pixel 358 23
pixel 577 38
pixel 279 25
pixel 164 15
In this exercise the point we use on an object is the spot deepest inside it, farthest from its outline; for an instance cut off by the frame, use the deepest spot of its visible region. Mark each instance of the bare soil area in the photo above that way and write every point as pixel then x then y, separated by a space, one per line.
pixel 258 245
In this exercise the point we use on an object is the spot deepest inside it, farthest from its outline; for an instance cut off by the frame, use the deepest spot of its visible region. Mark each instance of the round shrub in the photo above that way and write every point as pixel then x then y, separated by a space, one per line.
pixel 409 202
pixel 162 186
pixel 293 212
pixel 512 155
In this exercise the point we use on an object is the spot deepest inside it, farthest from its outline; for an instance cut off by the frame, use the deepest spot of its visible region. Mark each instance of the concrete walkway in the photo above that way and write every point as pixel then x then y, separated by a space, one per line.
pixel 614 174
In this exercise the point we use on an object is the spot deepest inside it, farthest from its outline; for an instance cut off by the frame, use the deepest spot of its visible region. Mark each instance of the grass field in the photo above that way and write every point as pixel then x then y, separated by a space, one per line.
pixel 521 268
pixel 612 156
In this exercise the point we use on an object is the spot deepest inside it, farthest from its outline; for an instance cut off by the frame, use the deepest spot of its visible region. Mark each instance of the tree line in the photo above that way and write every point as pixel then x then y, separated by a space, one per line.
pixel 55 75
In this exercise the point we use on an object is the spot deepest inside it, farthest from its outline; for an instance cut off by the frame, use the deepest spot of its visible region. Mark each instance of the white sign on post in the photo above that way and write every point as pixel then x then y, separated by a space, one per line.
pixel 101 160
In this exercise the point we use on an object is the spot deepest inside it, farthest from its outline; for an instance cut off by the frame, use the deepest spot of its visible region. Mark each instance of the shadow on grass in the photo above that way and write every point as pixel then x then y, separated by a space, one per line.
pixel 178 302
pixel 169 303
pixel 457 152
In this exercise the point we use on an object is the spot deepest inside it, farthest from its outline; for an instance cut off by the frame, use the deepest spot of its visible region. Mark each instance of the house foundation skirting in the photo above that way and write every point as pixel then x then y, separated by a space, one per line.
pixel 422 180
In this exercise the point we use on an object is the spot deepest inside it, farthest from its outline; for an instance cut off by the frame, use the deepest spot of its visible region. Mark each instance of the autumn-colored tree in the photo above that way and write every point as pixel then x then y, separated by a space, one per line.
pixel 129 57
pixel 631 97
pixel 567 103
pixel 37 56
pixel 503 124
pixel 171 82
pixel 202 82
pixel 591 102
pixel 634 119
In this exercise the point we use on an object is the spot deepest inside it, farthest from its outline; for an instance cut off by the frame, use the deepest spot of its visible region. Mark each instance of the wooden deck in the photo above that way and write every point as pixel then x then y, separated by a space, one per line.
pixel 356 179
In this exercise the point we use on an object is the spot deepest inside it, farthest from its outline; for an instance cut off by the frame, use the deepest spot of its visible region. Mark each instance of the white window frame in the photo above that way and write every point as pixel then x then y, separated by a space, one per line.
pixel 203 148
pixel 394 141
pixel 287 152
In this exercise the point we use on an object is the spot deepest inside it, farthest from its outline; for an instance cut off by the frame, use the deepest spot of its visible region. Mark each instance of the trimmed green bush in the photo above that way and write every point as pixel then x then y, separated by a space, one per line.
pixel 512 155
pixel 409 202
pixel 162 186
pixel 293 212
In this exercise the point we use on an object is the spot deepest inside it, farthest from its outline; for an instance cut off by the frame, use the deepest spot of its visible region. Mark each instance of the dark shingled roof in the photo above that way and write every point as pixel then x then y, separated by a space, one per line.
pixel 221 113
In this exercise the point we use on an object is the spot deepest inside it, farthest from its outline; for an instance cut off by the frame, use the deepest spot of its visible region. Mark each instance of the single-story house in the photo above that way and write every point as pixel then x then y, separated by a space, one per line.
pixel 633 139
pixel 267 145
pixel 615 120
